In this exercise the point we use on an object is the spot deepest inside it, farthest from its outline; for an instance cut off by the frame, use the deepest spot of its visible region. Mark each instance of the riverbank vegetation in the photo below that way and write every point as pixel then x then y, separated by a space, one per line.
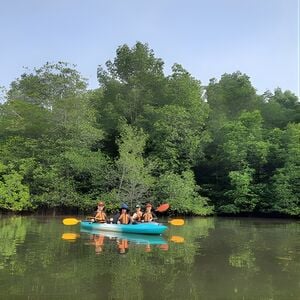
pixel 147 136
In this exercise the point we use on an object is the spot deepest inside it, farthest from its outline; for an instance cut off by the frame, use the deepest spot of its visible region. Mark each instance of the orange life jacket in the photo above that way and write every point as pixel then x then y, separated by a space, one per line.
pixel 138 216
pixel 124 219
pixel 101 217
pixel 147 216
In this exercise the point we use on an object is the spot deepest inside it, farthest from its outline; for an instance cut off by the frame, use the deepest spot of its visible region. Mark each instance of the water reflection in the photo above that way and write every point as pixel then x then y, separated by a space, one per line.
pixel 123 241
pixel 207 258
pixel 70 236
pixel 12 233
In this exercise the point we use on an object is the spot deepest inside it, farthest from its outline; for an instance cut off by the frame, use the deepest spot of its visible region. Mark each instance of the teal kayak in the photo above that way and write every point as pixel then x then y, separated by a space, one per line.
pixel 139 228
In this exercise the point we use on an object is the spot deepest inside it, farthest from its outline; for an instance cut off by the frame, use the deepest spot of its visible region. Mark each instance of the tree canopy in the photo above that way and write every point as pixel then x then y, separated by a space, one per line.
pixel 144 136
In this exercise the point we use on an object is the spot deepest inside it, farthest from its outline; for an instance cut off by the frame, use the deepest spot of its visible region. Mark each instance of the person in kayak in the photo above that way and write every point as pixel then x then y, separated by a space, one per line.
pixel 123 217
pixel 138 215
pixel 100 215
pixel 149 215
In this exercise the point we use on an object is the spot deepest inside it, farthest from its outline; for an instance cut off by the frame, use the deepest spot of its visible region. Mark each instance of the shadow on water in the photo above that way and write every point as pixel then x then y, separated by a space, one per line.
pixel 207 258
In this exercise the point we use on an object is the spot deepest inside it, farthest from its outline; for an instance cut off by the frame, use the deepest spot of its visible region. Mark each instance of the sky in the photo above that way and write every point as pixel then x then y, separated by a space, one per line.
pixel 207 37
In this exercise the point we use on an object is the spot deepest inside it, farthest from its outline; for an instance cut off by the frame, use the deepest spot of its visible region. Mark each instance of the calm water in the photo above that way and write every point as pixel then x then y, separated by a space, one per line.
pixel 207 258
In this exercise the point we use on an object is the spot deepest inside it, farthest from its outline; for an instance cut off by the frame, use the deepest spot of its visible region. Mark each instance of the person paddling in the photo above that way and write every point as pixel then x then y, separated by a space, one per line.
pixel 148 215
pixel 138 215
pixel 124 217
pixel 100 215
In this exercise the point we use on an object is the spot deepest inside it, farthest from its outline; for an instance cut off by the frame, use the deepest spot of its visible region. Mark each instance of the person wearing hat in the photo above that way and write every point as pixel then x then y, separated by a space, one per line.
pixel 100 215
pixel 148 215
pixel 137 216
pixel 123 217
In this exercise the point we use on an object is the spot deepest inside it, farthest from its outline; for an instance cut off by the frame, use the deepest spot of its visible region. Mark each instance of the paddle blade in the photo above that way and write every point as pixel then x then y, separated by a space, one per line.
pixel 70 236
pixel 177 222
pixel 163 207
pixel 177 239
pixel 70 221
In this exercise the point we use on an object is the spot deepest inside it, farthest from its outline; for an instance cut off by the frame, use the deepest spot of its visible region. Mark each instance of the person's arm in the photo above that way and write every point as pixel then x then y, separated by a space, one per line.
pixel 94 218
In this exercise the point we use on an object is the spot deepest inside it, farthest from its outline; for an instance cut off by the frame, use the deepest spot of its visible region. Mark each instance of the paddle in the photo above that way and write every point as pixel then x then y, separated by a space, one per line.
pixel 163 207
pixel 73 221
pixel 176 222
pixel 70 236
pixel 177 239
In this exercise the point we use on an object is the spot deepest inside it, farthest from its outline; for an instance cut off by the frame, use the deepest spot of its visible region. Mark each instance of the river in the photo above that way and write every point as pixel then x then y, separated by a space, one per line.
pixel 206 258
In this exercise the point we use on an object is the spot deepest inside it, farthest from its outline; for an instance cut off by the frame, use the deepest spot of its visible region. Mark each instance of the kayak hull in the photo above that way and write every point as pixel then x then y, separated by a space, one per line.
pixel 152 228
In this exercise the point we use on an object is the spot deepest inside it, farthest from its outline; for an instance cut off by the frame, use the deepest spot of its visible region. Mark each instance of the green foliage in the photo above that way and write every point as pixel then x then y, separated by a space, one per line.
pixel 286 189
pixel 286 181
pixel 23 118
pixel 181 192
pixel 134 79
pixel 231 95
pixel 280 108
pixel 177 132
pixel 241 196
pixel 178 139
pixel 143 136
pixel 46 85
pixel 91 170
pixel 243 141
pixel 133 172
pixel 14 195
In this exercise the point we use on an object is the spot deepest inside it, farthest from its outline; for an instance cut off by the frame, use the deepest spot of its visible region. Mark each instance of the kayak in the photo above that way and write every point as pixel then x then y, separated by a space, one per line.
pixel 140 239
pixel 138 228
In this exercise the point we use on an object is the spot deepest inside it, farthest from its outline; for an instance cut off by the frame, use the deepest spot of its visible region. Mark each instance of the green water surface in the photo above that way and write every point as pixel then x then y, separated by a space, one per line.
pixel 207 258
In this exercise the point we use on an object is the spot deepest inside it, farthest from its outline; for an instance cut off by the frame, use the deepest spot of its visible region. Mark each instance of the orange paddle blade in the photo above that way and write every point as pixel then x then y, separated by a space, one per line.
pixel 163 207
pixel 177 222
pixel 70 221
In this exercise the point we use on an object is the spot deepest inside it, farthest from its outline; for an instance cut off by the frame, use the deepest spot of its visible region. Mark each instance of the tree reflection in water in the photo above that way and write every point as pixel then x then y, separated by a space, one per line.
pixel 207 258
